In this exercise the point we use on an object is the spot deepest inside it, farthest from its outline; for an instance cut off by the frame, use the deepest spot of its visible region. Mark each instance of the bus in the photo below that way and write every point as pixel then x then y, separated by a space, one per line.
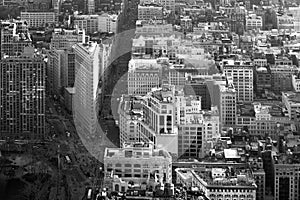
pixel 89 194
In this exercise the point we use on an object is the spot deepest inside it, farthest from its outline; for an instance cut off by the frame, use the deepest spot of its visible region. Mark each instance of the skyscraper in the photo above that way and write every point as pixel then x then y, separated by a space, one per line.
pixel 87 62
pixel 22 97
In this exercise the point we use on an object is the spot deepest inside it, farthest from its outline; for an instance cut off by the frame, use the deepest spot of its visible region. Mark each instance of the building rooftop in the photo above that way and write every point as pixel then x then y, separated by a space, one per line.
pixel 245 110
pixel 231 154
pixel 132 106
pixel 292 97
pixel 226 177
pixel 136 150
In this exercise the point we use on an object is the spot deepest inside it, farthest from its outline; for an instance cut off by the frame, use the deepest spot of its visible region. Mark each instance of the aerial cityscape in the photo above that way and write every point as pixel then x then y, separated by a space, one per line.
pixel 150 99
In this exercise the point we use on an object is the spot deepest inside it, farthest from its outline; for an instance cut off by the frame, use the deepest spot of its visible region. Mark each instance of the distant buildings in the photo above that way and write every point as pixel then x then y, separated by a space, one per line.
pixel 97 23
pixel 148 12
pixel 38 19
pixel 91 6
pixel 285 22
pixel 155 27
pixel 168 4
pixel 253 22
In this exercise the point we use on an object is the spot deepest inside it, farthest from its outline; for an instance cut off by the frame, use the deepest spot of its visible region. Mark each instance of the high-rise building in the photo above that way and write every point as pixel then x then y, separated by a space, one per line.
pixel 241 73
pixel 227 105
pixel 61 58
pixel 68 69
pixel 14 36
pixel 22 97
pixel 87 61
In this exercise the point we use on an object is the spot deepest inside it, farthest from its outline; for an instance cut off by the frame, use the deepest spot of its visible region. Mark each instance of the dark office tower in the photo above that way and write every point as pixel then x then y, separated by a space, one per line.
pixel 14 36
pixel 262 80
pixel 199 88
pixel 287 181
pixel 22 97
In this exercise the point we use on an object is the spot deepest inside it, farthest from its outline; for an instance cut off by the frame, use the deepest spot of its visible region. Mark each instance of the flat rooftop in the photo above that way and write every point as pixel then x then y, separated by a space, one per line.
pixel 226 177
